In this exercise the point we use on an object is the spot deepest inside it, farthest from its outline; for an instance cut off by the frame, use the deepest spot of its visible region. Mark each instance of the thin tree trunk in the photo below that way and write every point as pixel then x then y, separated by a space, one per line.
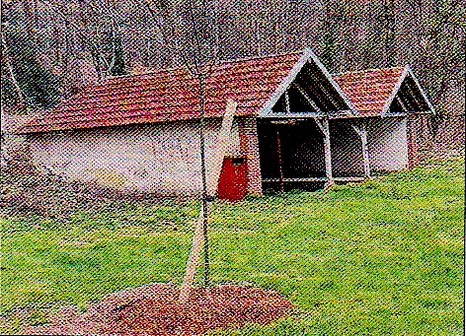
pixel 212 182
pixel 202 83
pixel 7 62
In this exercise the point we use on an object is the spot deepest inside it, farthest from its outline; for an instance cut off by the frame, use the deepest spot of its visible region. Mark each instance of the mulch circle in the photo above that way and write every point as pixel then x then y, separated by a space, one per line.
pixel 155 310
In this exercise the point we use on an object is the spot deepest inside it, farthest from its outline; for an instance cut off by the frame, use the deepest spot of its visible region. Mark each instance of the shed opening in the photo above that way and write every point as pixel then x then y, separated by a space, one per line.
pixel 291 155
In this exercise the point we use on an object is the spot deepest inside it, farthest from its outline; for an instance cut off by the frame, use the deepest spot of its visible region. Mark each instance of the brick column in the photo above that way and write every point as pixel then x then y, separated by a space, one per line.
pixel 249 145
pixel 412 128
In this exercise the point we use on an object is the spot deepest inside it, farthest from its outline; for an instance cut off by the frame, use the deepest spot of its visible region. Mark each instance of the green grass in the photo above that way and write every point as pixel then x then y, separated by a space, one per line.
pixel 382 258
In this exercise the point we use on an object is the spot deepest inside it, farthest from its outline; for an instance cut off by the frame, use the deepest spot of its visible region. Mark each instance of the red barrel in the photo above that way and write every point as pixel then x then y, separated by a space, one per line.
pixel 233 181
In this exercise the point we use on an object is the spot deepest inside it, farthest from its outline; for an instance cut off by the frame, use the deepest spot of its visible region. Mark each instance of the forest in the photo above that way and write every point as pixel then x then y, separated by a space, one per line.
pixel 51 49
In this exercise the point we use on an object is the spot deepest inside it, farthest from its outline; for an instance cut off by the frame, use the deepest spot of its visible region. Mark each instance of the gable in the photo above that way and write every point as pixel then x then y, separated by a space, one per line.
pixel 384 92
pixel 408 97
pixel 369 90
pixel 309 90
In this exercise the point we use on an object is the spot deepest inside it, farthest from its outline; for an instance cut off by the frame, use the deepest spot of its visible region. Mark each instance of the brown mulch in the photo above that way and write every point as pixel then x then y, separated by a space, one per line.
pixel 154 310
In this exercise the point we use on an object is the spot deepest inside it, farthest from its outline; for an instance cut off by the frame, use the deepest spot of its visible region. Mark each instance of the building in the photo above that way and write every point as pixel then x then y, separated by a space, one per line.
pixel 296 125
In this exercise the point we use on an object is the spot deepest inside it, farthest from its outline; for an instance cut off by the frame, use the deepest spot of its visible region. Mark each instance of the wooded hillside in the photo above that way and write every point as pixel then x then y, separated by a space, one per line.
pixel 51 48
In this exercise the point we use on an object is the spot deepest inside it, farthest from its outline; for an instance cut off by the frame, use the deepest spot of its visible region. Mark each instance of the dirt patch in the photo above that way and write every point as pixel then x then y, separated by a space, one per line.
pixel 154 310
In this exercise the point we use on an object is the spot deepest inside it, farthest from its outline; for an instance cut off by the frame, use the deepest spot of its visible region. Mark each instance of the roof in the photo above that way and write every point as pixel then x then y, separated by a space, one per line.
pixel 11 121
pixel 256 84
pixel 370 90
pixel 381 92
pixel 171 95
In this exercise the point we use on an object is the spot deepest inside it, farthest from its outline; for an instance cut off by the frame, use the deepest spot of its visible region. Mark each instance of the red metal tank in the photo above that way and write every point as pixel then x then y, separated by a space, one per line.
pixel 233 183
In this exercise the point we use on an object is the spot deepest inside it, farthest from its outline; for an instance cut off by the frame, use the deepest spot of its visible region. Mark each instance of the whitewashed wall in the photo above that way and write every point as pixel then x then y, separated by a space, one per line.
pixel 387 141
pixel 388 144
pixel 162 158
pixel 346 149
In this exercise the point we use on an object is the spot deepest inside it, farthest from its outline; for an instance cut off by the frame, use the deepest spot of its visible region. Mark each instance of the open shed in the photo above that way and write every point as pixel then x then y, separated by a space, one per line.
pixel 340 128
pixel 296 126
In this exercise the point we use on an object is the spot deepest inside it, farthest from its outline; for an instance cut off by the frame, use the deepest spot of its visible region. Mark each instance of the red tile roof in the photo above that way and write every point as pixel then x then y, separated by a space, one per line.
pixel 369 90
pixel 170 95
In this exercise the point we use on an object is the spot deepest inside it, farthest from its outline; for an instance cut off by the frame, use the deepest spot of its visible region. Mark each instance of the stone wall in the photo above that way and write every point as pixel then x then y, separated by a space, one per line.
pixel 159 158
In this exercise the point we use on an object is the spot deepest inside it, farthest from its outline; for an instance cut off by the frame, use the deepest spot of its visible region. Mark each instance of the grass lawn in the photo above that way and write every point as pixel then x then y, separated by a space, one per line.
pixel 382 258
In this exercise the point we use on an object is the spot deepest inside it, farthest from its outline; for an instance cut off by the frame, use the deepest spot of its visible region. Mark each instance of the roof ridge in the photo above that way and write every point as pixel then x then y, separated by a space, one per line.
pixel 183 67
pixel 367 70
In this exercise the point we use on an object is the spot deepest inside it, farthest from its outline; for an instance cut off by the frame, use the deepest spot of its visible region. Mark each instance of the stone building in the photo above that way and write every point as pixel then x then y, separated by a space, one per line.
pixel 295 126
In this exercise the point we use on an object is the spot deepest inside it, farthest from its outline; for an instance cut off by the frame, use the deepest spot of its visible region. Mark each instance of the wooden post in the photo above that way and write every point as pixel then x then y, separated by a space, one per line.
pixel 325 130
pixel 287 103
pixel 327 153
pixel 365 152
pixel 362 132
pixel 280 160
pixel 212 184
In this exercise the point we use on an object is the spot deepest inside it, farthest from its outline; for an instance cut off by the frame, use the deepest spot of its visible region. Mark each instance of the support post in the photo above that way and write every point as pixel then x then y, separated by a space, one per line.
pixel 328 153
pixel 362 132
pixel 280 161
pixel 365 154
pixel 325 130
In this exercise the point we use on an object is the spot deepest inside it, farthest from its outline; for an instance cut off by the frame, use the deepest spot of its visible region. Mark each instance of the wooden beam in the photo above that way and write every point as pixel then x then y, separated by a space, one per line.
pixel 315 179
pixel 213 178
pixel 223 144
pixel 403 98
pixel 277 115
pixel 284 121
pixel 296 180
pixel 327 153
pixel 397 114
pixel 338 113
pixel 319 84
pixel 362 132
pixel 320 126
pixel 306 96
pixel 349 179
pixel 287 102
pixel 280 161
pixel 398 99
pixel 411 91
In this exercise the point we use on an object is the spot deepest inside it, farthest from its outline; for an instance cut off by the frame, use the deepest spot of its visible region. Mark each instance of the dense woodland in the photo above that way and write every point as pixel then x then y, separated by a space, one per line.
pixel 52 48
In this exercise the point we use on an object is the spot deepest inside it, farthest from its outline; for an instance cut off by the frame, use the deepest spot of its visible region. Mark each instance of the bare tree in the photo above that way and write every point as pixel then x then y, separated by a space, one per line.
pixel 6 62
pixel 190 32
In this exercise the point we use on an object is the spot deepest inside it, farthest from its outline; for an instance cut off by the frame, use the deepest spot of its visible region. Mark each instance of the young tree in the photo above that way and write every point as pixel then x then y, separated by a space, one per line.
pixel 190 32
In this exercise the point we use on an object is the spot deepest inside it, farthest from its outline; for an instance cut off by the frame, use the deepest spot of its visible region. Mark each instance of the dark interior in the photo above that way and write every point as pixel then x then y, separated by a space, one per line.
pixel 410 96
pixel 302 153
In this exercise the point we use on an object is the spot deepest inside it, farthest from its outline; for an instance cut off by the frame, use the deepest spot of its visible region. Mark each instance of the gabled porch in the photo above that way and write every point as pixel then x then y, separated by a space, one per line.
pixel 320 130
